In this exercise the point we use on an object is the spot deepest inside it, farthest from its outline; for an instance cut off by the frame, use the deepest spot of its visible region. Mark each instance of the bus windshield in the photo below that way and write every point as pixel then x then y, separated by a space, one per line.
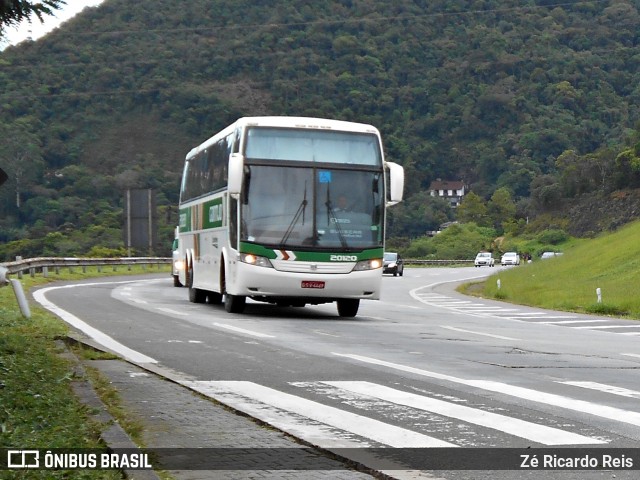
pixel 304 145
pixel 292 207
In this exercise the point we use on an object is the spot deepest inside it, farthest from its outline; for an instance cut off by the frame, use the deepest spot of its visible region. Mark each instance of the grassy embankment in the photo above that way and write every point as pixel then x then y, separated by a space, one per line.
pixel 610 262
pixel 38 408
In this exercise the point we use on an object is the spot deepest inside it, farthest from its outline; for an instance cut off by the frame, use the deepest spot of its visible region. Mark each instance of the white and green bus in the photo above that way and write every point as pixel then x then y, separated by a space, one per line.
pixel 286 210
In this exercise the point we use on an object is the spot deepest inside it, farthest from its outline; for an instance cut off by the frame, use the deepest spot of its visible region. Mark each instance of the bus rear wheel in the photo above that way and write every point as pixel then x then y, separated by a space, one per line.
pixel 195 294
pixel 348 307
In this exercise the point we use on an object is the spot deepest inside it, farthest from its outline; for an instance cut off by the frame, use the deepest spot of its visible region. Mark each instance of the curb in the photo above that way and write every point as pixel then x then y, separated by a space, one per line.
pixel 113 434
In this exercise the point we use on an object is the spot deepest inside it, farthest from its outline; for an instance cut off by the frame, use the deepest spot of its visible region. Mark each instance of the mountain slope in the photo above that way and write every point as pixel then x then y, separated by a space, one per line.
pixel 490 92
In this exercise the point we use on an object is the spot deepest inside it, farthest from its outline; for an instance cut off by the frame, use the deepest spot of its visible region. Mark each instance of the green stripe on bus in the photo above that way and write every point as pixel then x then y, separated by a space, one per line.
pixel 209 214
pixel 306 256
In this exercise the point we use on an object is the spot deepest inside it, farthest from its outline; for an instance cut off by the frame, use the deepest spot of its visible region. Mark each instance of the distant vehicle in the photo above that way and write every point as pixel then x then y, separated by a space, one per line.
pixel 393 264
pixel 176 261
pixel 550 255
pixel 484 259
pixel 510 258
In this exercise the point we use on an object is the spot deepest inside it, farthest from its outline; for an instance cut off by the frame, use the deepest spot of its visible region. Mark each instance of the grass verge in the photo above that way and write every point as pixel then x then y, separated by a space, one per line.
pixel 37 406
pixel 610 263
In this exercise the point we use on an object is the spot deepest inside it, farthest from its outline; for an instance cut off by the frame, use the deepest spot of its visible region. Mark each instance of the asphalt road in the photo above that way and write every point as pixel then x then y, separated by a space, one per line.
pixel 423 367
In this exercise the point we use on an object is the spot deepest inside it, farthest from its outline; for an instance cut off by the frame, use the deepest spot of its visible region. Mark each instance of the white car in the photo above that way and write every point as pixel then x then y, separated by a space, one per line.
pixel 484 259
pixel 510 258
pixel 550 255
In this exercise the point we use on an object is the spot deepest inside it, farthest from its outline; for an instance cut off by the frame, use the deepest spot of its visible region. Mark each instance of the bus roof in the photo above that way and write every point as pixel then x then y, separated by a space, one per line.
pixel 288 122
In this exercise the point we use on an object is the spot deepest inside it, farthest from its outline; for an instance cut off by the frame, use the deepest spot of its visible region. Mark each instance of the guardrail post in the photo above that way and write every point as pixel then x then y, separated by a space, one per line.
pixel 21 298
pixel 45 271
pixel 18 258
pixel 17 290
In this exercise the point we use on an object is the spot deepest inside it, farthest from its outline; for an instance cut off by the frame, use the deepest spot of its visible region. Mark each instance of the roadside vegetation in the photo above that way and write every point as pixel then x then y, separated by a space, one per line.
pixel 39 408
pixel 610 262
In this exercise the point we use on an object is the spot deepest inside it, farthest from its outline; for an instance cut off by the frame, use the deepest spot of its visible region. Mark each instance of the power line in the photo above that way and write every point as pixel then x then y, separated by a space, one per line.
pixel 343 21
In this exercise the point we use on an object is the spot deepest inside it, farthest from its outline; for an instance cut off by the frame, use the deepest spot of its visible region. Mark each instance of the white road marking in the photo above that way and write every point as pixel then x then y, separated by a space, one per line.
pixel 611 413
pixel 623 392
pixel 568 322
pixel 631 355
pixel 327 334
pixel 94 333
pixel 270 402
pixel 172 311
pixel 604 327
pixel 477 333
pixel 513 426
pixel 530 314
pixel 242 330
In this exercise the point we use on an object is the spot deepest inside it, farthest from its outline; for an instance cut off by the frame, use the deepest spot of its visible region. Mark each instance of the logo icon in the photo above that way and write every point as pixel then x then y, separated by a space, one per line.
pixel 23 459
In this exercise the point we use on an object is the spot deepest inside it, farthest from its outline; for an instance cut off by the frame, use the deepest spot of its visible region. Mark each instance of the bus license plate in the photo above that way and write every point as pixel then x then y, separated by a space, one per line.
pixel 312 284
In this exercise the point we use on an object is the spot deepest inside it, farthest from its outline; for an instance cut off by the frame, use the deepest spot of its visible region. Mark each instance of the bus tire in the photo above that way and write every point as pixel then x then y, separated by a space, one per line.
pixel 234 303
pixel 195 294
pixel 348 307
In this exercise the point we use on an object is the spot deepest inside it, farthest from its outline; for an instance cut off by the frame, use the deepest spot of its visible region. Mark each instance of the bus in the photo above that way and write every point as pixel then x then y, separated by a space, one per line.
pixel 286 210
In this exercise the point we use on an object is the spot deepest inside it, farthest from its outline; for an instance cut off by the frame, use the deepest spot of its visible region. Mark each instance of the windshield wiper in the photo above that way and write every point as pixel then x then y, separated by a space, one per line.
pixel 299 213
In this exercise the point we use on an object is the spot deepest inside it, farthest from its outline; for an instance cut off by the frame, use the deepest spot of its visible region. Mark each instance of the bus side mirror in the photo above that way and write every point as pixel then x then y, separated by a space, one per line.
pixel 396 183
pixel 236 169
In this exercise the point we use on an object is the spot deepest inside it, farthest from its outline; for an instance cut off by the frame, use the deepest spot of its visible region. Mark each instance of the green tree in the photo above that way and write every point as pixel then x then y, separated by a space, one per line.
pixel 501 208
pixel 473 209
pixel 15 11
pixel 21 153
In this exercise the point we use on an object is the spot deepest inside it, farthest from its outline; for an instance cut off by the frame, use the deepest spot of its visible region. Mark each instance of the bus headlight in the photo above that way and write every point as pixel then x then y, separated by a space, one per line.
pixel 251 259
pixel 368 265
pixel 178 265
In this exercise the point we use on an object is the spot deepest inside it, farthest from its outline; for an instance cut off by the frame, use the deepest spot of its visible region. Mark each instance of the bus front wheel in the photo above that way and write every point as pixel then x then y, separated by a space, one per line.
pixel 234 303
pixel 348 307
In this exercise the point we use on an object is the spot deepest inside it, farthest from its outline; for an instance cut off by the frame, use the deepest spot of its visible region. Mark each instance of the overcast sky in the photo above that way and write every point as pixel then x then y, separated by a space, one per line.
pixel 35 29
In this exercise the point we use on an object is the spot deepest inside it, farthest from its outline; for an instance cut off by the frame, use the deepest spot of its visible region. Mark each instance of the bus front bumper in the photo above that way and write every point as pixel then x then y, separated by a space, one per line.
pixel 256 281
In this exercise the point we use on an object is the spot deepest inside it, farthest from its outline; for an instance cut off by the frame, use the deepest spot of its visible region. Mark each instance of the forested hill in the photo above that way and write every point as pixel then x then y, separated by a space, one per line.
pixel 490 92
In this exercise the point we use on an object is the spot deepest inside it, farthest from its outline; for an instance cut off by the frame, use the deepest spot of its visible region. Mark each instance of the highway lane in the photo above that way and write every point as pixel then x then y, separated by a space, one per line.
pixel 424 366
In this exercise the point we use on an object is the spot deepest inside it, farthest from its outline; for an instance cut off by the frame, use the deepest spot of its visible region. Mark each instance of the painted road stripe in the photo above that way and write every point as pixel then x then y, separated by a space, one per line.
pixel 612 413
pixel 623 392
pixel 529 314
pixel 477 333
pixel 242 330
pixel 567 322
pixel 94 333
pixel 513 426
pixel 264 402
pixel 604 327
pixel 172 312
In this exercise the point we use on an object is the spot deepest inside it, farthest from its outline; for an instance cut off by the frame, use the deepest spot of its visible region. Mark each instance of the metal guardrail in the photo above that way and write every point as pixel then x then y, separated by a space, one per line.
pixel 44 263
pixel 412 261
pixel 32 264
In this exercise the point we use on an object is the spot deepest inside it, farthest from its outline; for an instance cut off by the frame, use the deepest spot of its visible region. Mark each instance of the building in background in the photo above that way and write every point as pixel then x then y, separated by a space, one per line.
pixel 451 190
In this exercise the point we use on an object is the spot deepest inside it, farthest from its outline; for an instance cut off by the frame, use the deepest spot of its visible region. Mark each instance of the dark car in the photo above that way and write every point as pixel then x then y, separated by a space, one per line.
pixel 393 264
